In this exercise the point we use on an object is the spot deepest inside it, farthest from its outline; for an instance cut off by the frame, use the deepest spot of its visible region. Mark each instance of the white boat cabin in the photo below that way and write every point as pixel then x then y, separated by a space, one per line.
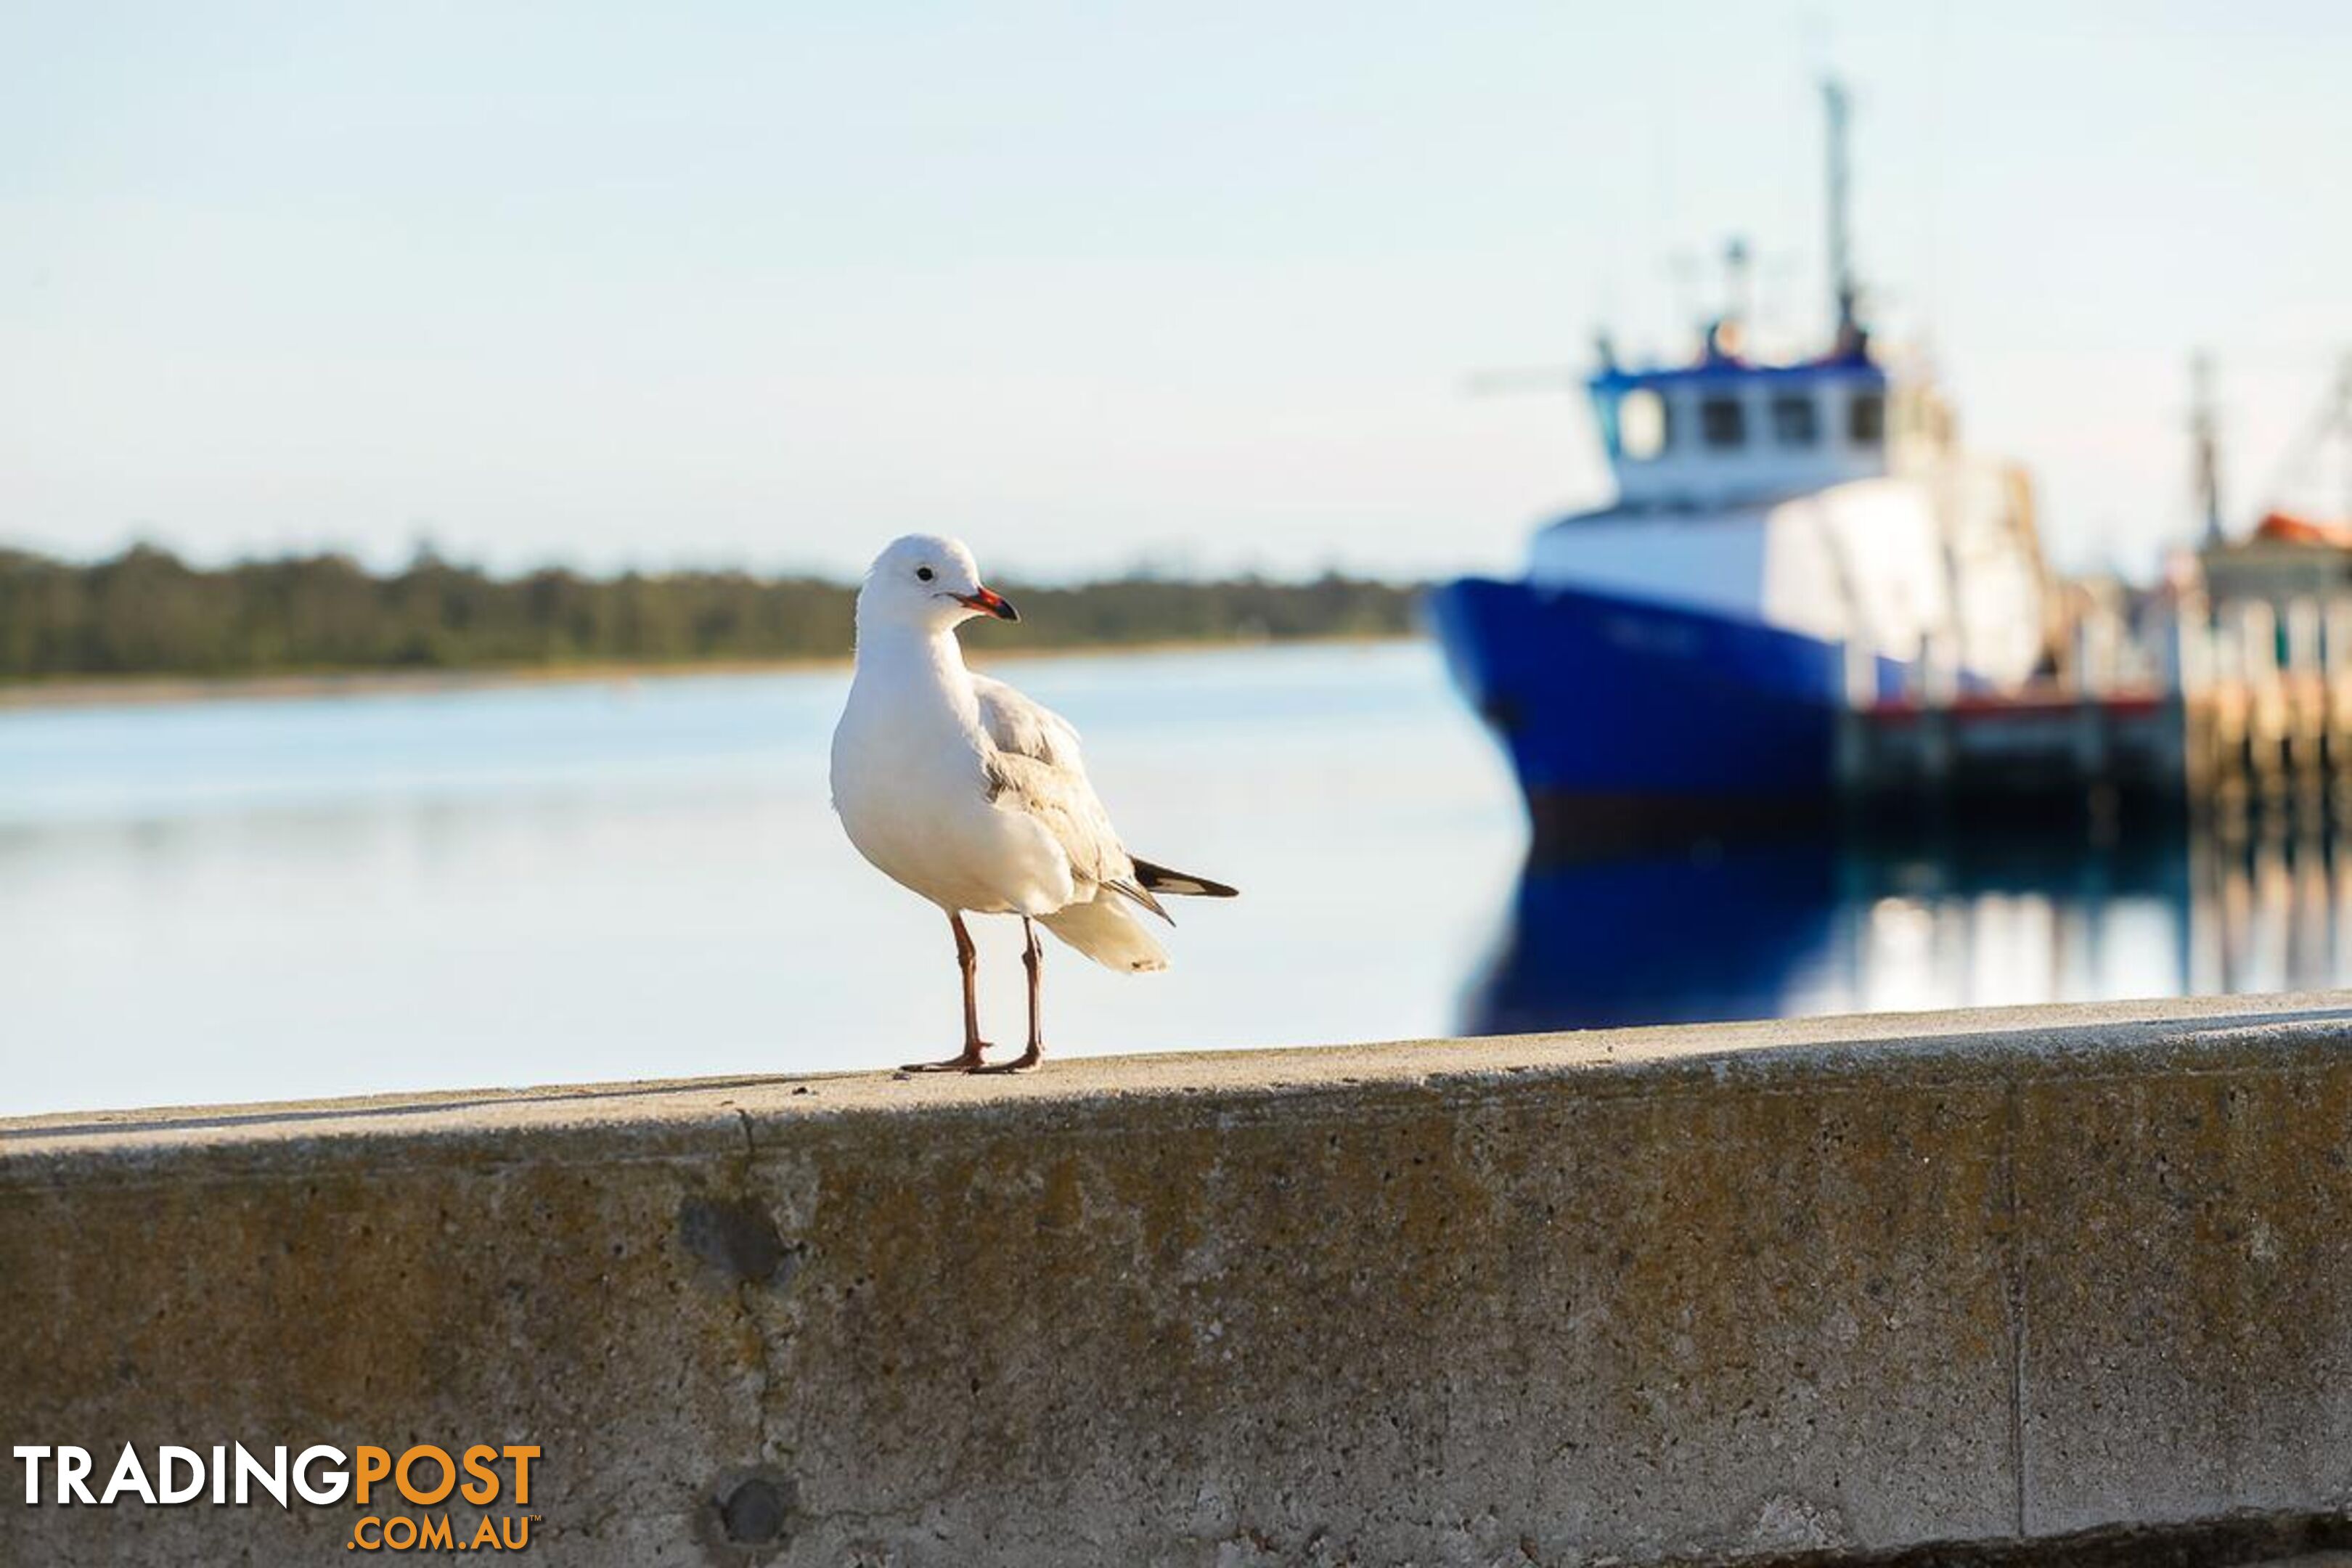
pixel 1820 498
pixel 1723 432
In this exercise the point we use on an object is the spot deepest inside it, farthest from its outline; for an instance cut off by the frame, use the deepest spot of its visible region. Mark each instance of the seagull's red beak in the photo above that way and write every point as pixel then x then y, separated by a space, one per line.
pixel 987 602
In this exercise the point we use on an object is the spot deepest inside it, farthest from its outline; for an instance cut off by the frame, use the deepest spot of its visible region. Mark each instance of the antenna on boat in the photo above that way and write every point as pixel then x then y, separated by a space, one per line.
pixel 1731 333
pixel 2204 433
pixel 1845 294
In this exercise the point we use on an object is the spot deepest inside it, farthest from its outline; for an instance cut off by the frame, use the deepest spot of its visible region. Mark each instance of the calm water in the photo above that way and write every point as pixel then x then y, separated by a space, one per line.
pixel 260 899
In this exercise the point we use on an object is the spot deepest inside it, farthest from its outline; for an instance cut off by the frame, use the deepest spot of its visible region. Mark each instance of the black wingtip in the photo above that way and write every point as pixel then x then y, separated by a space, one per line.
pixel 1183 884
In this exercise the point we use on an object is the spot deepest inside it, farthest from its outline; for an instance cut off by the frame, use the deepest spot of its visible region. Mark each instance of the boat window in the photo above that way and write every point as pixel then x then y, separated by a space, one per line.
pixel 1795 421
pixel 1643 427
pixel 1865 418
pixel 1722 421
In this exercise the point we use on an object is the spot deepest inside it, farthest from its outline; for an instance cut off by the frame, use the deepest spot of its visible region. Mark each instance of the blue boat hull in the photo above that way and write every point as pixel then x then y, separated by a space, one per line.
pixel 1631 723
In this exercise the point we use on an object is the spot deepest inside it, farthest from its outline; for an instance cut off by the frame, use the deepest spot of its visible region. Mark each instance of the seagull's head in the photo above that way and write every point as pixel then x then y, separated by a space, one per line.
pixel 928 583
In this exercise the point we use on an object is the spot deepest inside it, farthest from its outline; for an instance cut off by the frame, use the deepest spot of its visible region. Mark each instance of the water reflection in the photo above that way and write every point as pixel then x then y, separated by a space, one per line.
pixel 1843 926
pixel 1668 938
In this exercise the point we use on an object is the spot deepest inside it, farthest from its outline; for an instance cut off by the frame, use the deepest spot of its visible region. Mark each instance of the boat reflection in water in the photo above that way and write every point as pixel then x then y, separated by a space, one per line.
pixel 1790 929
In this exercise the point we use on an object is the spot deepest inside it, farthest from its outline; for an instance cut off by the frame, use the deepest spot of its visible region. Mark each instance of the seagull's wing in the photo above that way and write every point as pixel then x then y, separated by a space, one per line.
pixel 1037 769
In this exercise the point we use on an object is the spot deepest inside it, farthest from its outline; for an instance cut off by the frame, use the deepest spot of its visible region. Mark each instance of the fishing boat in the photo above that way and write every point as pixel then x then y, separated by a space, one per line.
pixel 1788 537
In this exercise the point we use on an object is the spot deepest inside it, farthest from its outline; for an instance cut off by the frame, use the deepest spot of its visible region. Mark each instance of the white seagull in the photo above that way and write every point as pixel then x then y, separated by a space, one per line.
pixel 960 788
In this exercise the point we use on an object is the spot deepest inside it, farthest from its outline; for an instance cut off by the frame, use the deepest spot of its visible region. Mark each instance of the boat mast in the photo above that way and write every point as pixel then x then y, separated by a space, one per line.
pixel 2205 432
pixel 1845 294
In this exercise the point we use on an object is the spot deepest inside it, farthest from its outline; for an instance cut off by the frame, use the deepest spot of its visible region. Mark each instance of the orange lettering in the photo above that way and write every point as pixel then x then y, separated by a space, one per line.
pixel 373 1464
pixel 484 1487
pixel 408 1461
pixel 522 1457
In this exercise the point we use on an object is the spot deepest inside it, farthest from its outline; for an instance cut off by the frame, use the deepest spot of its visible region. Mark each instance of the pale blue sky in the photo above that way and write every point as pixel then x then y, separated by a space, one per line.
pixel 768 283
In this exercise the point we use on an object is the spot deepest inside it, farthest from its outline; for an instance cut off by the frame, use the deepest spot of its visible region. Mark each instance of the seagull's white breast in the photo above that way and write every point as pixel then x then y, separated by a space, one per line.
pixel 910 783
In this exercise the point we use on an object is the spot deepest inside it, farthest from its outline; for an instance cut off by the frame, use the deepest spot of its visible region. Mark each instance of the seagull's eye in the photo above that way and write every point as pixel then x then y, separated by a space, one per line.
pixel 923 573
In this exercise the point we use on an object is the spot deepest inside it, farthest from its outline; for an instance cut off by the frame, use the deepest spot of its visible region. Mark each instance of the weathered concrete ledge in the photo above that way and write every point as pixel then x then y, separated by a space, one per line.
pixel 1847 1287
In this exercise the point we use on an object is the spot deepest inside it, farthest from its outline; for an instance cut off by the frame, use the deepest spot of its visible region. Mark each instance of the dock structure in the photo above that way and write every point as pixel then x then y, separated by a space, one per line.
pixel 2235 713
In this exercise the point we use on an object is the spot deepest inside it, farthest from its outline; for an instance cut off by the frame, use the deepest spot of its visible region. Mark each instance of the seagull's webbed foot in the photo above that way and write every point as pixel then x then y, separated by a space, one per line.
pixel 968 1062
pixel 1026 1061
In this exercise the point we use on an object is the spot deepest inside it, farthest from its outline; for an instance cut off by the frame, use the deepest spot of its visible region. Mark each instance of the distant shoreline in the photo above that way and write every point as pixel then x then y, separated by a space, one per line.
pixel 172 690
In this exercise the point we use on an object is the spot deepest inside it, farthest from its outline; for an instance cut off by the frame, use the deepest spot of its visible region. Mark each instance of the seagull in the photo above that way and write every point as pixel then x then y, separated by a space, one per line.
pixel 958 788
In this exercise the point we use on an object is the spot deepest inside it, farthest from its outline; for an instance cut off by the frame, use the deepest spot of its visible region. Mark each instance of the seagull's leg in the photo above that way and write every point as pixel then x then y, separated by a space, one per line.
pixel 1032 958
pixel 967 960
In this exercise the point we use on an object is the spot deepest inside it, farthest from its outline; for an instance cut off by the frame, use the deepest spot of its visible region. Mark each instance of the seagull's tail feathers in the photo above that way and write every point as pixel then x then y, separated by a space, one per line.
pixel 1161 879
pixel 1107 934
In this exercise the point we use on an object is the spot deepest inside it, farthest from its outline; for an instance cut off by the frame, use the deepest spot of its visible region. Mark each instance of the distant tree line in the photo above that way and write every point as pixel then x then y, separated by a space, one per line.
pixel 146 612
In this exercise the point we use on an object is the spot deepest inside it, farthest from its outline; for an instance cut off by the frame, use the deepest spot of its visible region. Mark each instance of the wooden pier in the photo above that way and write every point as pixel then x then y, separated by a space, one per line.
pixel 2243 714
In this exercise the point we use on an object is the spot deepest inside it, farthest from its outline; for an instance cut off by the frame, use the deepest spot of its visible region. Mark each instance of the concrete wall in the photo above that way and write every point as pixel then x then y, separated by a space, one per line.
pixel 1849 1285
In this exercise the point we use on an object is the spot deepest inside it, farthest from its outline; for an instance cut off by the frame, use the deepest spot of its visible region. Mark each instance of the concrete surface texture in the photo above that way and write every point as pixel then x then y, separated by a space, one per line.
pixel 1837 1289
